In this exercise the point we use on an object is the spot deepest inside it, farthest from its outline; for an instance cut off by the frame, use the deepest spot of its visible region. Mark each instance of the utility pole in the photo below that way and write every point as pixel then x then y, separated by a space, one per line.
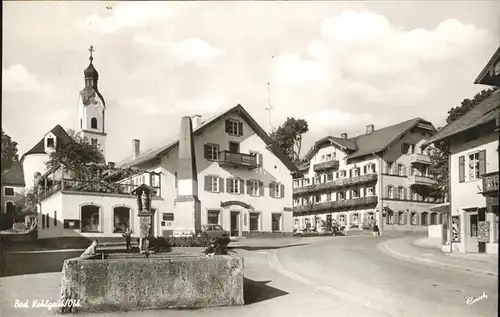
pixel 270 107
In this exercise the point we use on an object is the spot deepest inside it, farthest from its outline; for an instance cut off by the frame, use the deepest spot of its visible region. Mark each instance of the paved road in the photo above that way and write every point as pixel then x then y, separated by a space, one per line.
pixel 338 276
pixel 361 271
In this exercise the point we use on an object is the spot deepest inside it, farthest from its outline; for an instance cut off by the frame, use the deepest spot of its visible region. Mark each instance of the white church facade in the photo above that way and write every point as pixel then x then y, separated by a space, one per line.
pixel 244 183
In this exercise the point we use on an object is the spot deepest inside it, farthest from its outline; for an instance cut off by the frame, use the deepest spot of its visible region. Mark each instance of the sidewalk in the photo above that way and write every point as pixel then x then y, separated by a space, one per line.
pixel 406 249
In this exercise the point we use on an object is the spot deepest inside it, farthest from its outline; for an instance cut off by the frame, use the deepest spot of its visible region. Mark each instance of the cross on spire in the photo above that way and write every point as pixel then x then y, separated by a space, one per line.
pixel 91 49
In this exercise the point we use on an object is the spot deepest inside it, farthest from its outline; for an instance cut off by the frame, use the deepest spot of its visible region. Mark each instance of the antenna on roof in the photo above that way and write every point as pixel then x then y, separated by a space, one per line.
pixel 270 107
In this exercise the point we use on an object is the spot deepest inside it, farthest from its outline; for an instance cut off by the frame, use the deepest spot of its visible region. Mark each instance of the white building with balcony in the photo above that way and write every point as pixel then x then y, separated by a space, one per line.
pixel 351 179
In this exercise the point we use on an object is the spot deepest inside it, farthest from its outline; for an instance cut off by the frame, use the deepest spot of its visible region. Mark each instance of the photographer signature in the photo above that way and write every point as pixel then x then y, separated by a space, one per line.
pixel 471 300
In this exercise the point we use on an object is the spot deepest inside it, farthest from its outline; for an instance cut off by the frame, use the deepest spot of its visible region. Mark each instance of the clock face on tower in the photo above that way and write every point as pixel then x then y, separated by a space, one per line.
pixel 95 102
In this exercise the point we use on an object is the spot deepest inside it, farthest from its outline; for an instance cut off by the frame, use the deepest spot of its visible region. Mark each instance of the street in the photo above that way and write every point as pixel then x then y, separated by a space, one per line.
pixel 321 276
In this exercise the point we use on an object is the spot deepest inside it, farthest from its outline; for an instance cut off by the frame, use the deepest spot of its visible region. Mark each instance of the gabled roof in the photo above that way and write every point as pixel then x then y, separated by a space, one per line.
pixel 174 142
pixel 13 176
pixel 344 144
pixel 484 112
pixel 379 140
pixel 485 77
pixel 61 135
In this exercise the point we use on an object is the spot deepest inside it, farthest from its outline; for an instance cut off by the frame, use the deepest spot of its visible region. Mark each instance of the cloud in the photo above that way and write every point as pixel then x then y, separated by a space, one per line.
pixel 18 78
pixel 186 51
pixel 129 14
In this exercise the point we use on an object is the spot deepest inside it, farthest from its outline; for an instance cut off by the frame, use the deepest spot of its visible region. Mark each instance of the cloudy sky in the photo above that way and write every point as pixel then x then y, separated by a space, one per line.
pixel 339 65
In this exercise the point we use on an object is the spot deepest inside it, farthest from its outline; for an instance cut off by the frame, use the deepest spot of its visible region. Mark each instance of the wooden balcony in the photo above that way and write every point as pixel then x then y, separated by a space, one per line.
pixel 326 166
pixel 232 159
pixel 421 180
pixel 338 183
pixel 490 184
pixel 336 205
pixel 420 159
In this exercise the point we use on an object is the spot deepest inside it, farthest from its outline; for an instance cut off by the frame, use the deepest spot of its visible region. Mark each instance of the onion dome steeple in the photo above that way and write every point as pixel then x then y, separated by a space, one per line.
pixel 91 75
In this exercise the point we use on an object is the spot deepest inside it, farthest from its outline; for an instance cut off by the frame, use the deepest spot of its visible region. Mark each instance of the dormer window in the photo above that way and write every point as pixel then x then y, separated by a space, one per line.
pixel 50 142
pixel 234 127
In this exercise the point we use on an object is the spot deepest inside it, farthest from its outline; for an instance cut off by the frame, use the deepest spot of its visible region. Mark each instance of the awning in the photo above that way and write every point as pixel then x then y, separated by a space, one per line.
pixel 444 208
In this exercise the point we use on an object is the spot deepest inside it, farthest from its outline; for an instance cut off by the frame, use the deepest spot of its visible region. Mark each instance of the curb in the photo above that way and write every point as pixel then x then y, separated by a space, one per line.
pixel 383 246
pixel 275 264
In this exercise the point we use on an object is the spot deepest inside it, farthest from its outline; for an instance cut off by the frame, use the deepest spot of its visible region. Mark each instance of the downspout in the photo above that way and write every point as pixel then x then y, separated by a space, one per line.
pixel 449 199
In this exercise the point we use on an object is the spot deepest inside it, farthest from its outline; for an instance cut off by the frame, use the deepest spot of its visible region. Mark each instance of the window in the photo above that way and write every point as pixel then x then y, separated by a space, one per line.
pixel 212 152
pixel 323 158
pixel 93 123
pixel 121 219
pixel 370 191
pixel 316 180
pixel 43 221
pixel 8 191
pixel 253 188
pixel 317 198
pixel 50 142
pixel 389 192
pixel 342 218
pixel 401 170
pixel 234 185
pixel 254 221
pixel 212 184
pixel 355 171
pixel 473 166
pixel 94 142
pixel 328 197
pixel 307 222
pixel 175 180
pixel 295 221
pixel 168 216
pixel 296 201
pixel 155 183
pixel 342 174
pixel 276 222
pixel 341 196
pixel 213 217
pixel 47 220
pixel 90 218
pixel 329 177
pixel 355 193
pixel 328 157
pixel 55 218
pixel 234 127
pixel 318 222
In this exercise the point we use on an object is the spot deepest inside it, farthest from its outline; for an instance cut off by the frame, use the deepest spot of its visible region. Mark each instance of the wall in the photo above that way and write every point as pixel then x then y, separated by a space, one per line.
pixel 33 163
pixel 435 231
pixel 68 207
pixel 17 199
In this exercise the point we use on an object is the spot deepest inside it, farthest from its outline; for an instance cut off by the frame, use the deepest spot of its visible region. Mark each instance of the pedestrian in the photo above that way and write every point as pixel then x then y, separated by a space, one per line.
pixel 128 237
pixel 91 250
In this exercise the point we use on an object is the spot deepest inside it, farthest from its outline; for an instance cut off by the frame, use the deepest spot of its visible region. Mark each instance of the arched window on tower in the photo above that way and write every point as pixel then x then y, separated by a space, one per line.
pixel 93 123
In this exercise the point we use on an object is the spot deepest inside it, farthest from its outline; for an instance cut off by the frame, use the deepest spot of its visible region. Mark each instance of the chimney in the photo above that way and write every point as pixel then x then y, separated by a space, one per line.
pixel 136 147
pixel 196 120
pixel 370 128
pixel 344 136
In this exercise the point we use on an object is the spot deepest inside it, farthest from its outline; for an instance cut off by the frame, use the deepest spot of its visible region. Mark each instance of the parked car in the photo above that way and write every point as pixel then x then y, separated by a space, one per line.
pixel 216 231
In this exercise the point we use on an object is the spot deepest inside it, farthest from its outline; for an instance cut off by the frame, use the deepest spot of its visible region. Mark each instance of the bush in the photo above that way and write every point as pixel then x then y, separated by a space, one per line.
pixel 165 243
pixel 19 227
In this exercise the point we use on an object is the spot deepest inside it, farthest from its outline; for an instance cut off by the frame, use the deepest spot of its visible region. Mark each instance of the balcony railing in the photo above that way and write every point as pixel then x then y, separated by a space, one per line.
pixel 227 158
pixel 421 180
pixel 339 204
pixel 490 184
pixel 420 158
pixel 367 178
pixel 326 166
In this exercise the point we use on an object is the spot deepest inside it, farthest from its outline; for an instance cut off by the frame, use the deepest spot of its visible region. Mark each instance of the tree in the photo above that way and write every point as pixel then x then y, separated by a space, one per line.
pixel 9 152
pixel 288 136
pixel 468 105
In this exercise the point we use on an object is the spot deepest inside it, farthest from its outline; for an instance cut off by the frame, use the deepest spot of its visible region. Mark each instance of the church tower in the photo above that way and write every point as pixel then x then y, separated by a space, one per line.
pixel 91 109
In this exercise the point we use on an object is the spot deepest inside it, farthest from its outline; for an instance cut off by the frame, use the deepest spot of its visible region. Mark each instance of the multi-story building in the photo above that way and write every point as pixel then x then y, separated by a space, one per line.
pixel 243 179
pixel 473 164
pixel 12 195
pixel 351 179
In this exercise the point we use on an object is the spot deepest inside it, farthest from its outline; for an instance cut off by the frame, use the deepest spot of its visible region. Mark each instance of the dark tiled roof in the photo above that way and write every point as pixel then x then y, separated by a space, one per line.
pixel 380 139
pixel 483 113
pixel 61 135
pixel 162 150
pixel 484 75
pixel 13 176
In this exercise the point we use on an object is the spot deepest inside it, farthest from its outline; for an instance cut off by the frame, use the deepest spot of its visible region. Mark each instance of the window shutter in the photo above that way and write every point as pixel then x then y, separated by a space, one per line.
pixel 350 173
pixel 482 162
pixel 271 190
pixel 260 157
pixel 227 126
pixel 248 187
pixel 461 169
pixel 364 192
pixel 403 170
pixel 365 169
pixel 242 186
pixel 410 194
pixel 282 191
pixel 374 168
pixel 228 183
pixel 403 149
pixel 261 189
pixel 221 184
pixel 205 147
pixel 240 125
pixel 337 217
pixel 386 168
pixel 388 191
pixel 207 183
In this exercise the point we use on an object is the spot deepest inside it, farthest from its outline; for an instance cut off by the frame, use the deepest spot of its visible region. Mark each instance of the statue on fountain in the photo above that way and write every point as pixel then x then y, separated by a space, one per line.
pixel 144 193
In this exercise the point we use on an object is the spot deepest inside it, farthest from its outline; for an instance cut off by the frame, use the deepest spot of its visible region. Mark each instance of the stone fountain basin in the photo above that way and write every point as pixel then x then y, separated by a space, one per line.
pixel 123 282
